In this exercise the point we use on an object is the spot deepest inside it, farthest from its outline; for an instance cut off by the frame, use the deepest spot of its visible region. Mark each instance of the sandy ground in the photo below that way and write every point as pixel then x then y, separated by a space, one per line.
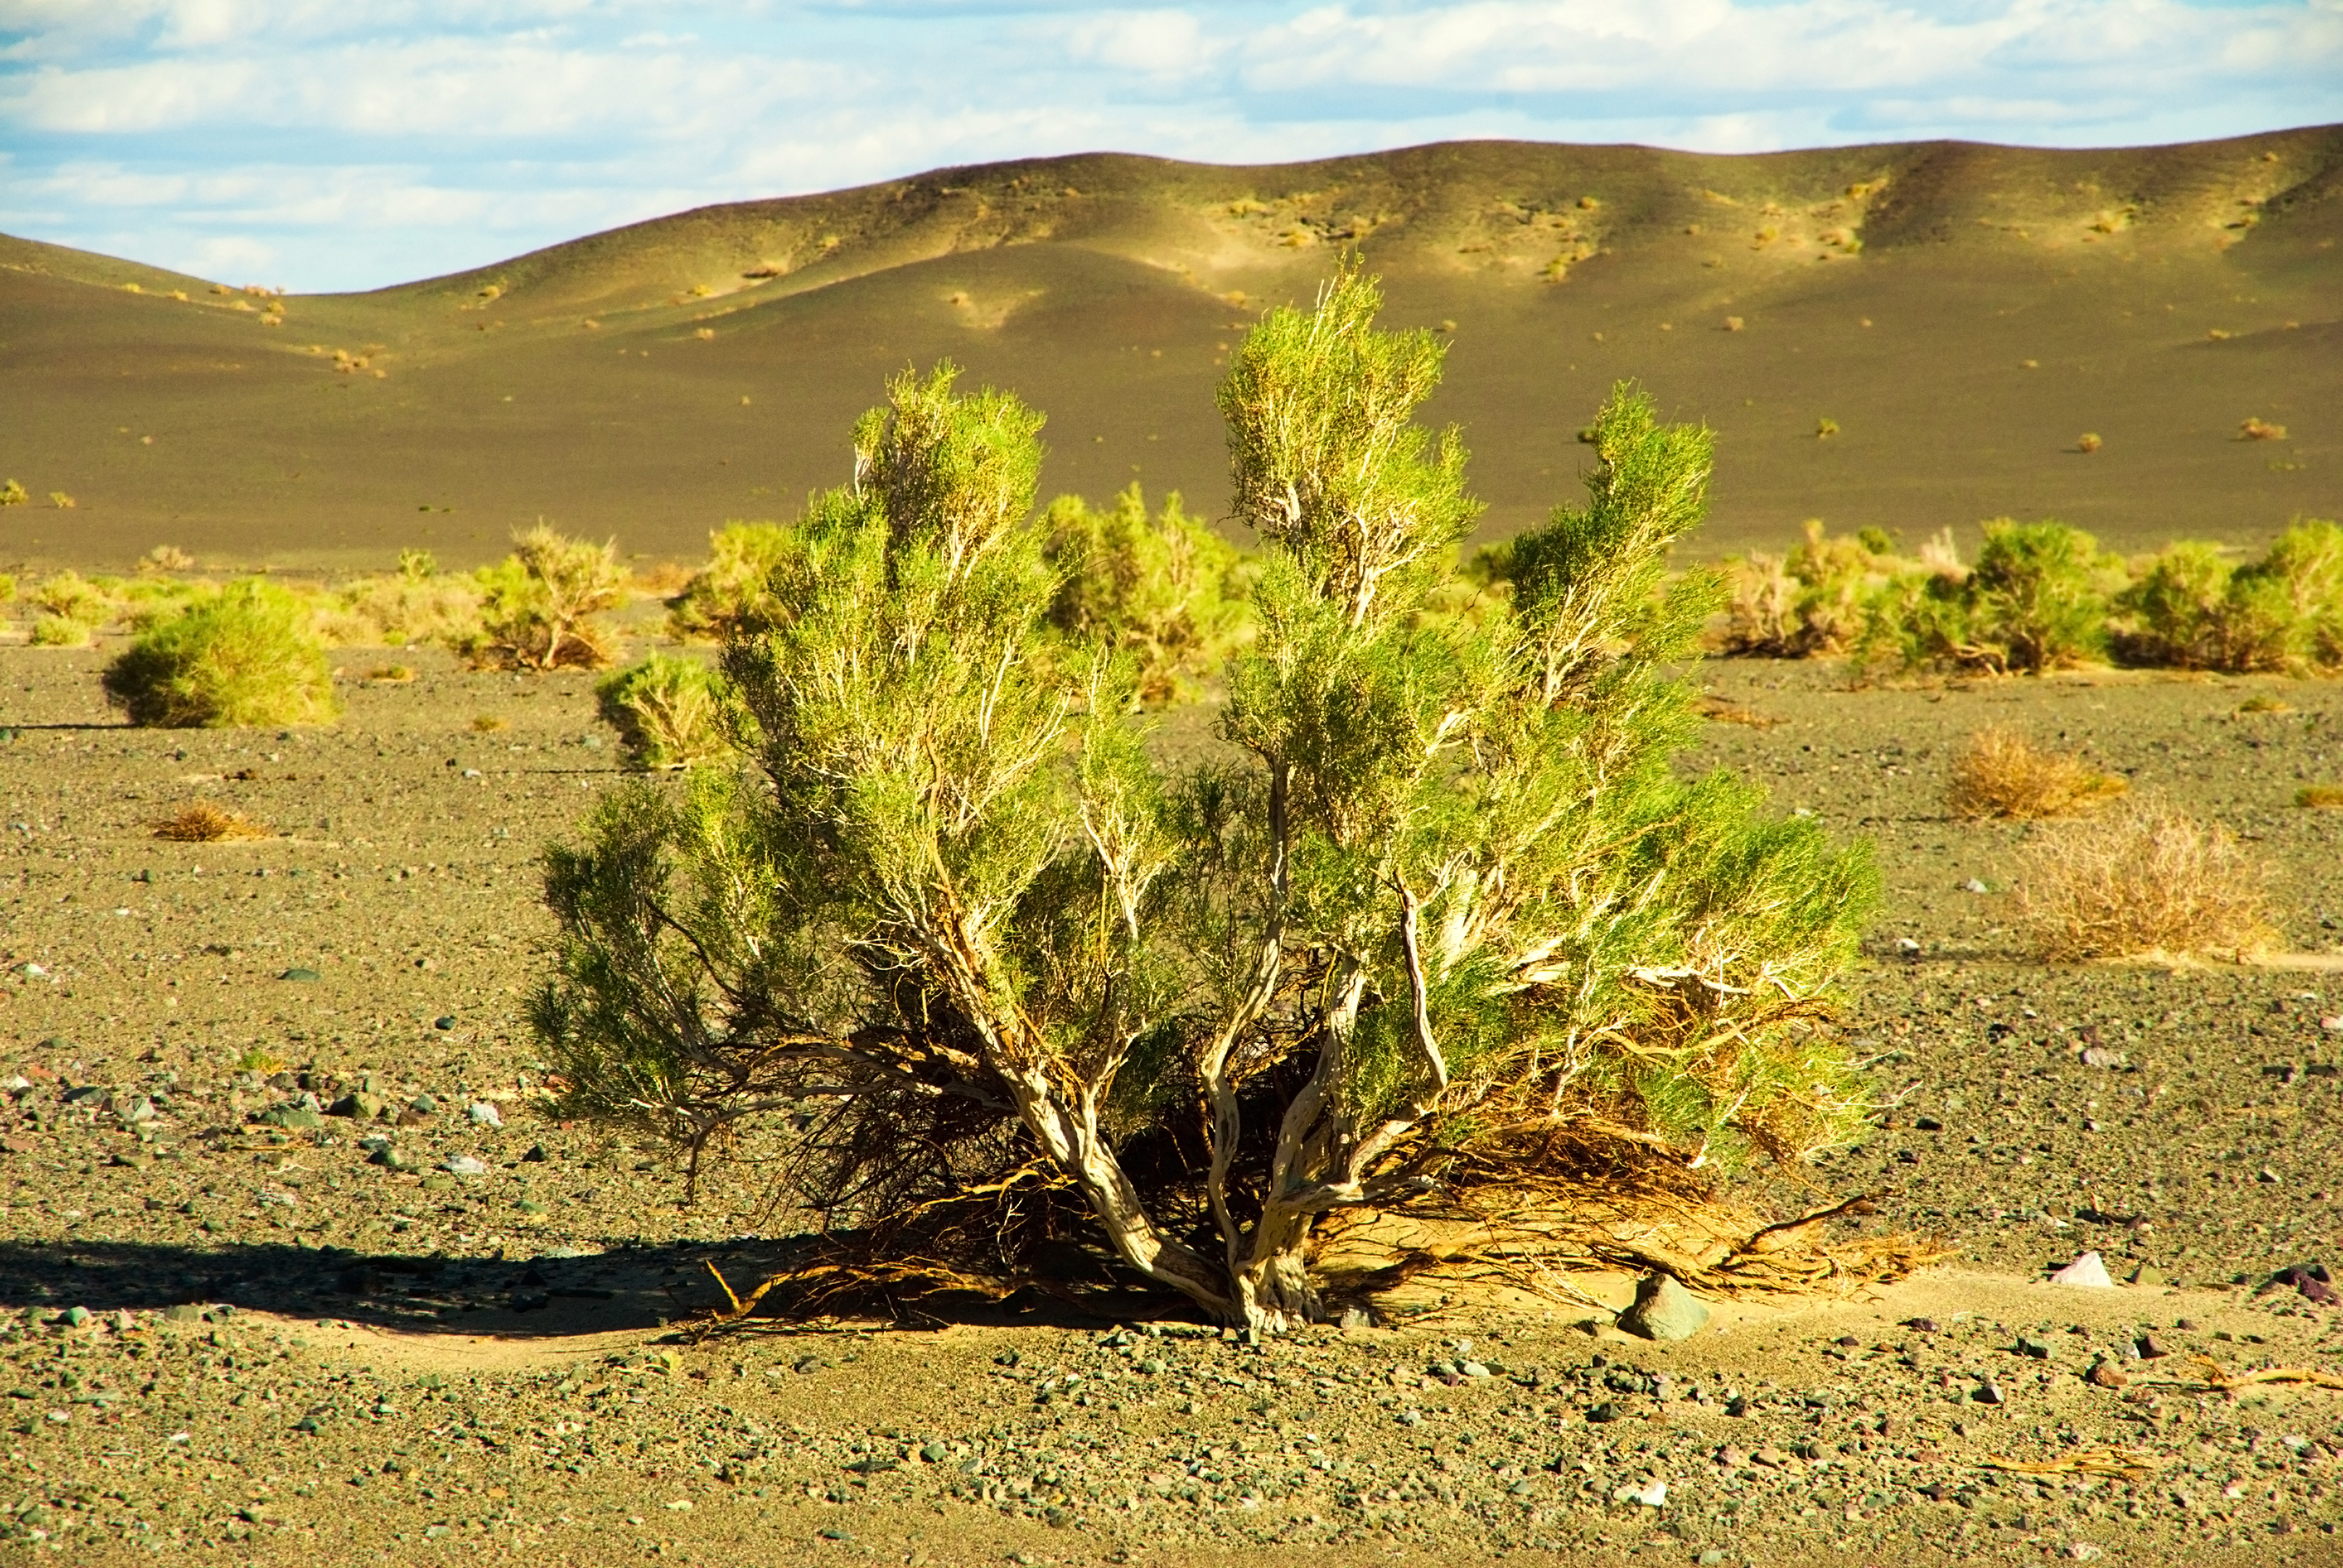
pixel 291 1352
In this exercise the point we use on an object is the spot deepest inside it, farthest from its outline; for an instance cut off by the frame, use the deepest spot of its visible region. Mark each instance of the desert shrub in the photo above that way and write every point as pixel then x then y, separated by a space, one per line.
pixel 167 559
pixel 2036 600
pixel 2001 774
pixel 2190 609
pixel 1442 925
pixel 56 631
pixel 7 587
pixel 2142 879
pixel 1167 590
pixel 1814 602
pixel 729 589
pixel 68 596
pixel 245 656
pixel 206 823
pixel 416 605
pixel 2319 796
pixel 14 494
pixel 538 606
pixel 675 712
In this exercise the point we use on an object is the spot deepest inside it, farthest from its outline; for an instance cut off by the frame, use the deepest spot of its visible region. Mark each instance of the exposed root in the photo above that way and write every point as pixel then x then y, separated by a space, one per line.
pixel 2211 1378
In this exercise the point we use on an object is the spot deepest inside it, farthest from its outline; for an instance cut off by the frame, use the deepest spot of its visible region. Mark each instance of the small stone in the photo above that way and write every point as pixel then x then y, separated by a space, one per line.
pixel 1732 1458
pixel 935 1454
pixel 2085 1272
pixel 2034 1345
pixel 1772 1458
pixel 464 1165
pixel 1987 1392
pixel 1923 1325
pixel 2148 1274
pixel 1664 1310
pixel 536 1155
pixel 293 1118
pixel 529 1206
pixel 2107 1374
pixel 1975 885
pixel 443 1021
pixel 1603 1413
pixel 484 1114
pixel 391 1158
pixel 1472 1369
pixel 1738 1405
pixel 76 1316
pixel 2099 1056
pixel 301 976
pixel 2309 1281
pixel 2268 1178
pixel 184 1312
pixel 1357 1317
pixel 2332 1022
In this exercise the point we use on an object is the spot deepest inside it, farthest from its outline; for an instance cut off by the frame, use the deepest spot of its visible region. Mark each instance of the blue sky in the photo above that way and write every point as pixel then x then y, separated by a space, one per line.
pixel 348 144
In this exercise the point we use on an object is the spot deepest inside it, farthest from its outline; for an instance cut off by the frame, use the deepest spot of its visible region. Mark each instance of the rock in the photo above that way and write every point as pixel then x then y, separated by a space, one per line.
pixel 2107 1374
pixel 484 1114
pixel 76 1316
pixel 443 1021
pixel 1730 1457
pixel 935 1454
pixel 301 976
pixel 1603 1413
pixel 133 1111
pixel 2147 1274
pixel 1664 1310
pixel 1975 885
pixel 1772 1458
pixel 390 1158
pixel 529 1206
pixel 424 1104
pixel 185 1312
pixel 2310 1280
pixel 2035 1345
pixel 2099 1056
pixel 360 1105
pixel 1987 1392
pixel 1738 1405
pixel 2085 1272
pixel 1473 1369
pixel 293 1118
pixel 536 1156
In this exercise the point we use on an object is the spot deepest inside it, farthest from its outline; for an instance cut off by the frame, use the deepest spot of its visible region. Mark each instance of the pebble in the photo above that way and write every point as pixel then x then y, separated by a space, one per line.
pixel 446 1020
pixel 464 1165
pixel 484 1114
pixel 76 1316
pixel 301 976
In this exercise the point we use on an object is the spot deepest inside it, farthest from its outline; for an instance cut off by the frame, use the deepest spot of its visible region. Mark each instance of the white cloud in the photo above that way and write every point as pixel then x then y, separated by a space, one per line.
pixel 356 142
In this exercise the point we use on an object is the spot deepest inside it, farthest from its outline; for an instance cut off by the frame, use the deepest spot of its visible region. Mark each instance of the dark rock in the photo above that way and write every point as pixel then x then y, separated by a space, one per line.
pixel 1604 1413
pixel 301 976
pixel 536 1156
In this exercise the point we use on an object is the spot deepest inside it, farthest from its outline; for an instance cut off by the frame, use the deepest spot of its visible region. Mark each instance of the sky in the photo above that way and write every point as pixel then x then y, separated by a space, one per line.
pixel 332 144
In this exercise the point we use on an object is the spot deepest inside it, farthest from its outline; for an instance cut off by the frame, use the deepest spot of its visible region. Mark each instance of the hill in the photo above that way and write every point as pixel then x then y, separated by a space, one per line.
pixel 1963 313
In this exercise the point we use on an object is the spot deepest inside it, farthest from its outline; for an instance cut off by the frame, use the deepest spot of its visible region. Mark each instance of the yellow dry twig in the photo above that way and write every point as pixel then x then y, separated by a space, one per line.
pixel 2130 1464
pixel 741 1307
pixel 2210 1376
pixel 205 823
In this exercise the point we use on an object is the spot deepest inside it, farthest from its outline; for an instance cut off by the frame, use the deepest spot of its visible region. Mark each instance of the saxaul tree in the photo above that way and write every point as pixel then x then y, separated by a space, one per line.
pixel 1437 922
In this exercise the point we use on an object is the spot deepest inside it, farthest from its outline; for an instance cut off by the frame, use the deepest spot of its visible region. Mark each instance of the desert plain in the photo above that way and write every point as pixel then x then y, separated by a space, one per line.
pixel 242 1329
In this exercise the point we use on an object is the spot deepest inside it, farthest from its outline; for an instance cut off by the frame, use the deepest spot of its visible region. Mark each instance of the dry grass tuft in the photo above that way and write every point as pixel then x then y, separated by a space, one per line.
pixel 398 673
pixel 258 1060
pixel 205 823
pixel 2002 775
pixel 2319 796
pixel 167 559
pixel 2260 430
pixel 486 724
pixel 1717 711
pixel 2264 704
pixel 2088 442
pixel 2146 879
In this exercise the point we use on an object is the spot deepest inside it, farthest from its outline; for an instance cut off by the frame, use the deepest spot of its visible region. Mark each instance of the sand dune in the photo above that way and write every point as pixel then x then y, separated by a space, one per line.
pixel 1964 312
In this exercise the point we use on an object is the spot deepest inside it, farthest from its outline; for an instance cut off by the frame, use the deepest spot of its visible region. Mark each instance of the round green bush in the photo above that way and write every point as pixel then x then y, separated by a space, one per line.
pixel 247 657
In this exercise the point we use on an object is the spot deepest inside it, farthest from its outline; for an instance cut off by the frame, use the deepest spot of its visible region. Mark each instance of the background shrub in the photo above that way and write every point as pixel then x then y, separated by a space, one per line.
pixel 730 591
pixel 2000 774
pixel 673 712
pixel 1167 590
pixel 2036 600
pixel 245 656
pixel 538 606
pixel 2143 880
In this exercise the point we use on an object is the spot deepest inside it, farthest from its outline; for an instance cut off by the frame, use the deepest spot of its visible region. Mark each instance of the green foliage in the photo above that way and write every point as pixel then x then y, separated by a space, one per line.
pixel 13 494
pixel 67 596
pixel 675 712
pixel 2038 599
pixel 538 606
pixel 244 657
pixel 56 631
pixel 7 587
pixel 1168 591
pixel 730 591
pixel 1814 602
pixel 1445 918
pixel 2190 608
